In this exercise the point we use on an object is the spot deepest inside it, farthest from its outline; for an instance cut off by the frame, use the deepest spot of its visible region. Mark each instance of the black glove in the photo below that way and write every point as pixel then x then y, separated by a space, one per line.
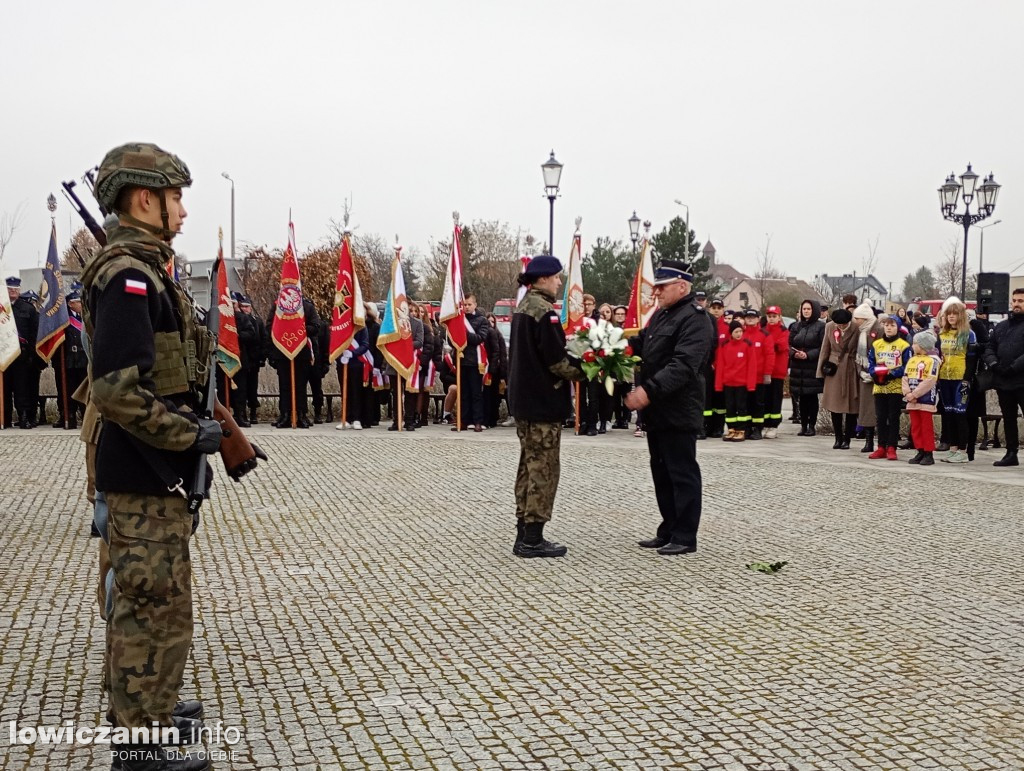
pixel 249 465
pixel 210 434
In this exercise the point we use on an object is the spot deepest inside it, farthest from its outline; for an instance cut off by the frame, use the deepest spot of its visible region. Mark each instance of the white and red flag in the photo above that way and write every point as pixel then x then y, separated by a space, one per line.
pixel 348 312
pixel 229 356
pixel 288 330
pixel 572 296
pixel 641 306
pixel 10 343
pixel 452 314
pixel 395 340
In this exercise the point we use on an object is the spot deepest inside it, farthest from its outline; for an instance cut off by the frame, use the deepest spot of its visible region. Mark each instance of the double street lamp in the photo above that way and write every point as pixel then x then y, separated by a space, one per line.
pixel 949 194
pixel 552 171
pixel 634 229
pixel 686 257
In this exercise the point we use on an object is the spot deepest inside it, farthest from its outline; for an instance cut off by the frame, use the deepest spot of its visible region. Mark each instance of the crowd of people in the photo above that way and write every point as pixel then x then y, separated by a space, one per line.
pixel 863 367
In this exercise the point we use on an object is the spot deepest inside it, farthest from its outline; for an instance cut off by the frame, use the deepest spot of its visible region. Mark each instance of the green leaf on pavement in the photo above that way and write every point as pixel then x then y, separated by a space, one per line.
pixel 767 567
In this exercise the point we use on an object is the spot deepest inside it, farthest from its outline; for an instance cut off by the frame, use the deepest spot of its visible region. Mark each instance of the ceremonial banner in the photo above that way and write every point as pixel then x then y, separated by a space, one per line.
pixel 229 356
pixel 572 296
pixel 348 312
pixel 641 306
pixel 452 314
pixel 395 340
pixel 10 347
pixel 53 316
pixel 289 328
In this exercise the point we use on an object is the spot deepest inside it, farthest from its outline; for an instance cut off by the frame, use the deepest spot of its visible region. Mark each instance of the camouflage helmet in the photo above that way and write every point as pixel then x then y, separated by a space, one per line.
pixel 138 164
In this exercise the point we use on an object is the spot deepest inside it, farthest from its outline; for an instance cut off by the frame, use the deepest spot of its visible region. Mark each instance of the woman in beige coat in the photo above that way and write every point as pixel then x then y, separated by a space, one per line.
pixel 837 364
pixel 869 330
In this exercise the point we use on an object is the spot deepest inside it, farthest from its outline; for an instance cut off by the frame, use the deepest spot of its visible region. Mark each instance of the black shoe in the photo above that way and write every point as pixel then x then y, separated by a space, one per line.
pixel 794 419
pixel 254 416
pixel 410 427
pixel 191 708
pixel 717 434
pixel 837 444
pixel 59 423
pixel 940 447
pixel 591 431
pixel 907 444
pixel 242 422
pixel 653 543
pixel 917 458
pixel 72 426
pixel 810 432
pixel 677 548
pixel 927 460
pixel 1010 459
pixel 303 422
pixel 318 418
pixel 534 545
pixel 802 431
pixel 603 428
pixel 754 434
pixel 393 427
pixel 845 445
pixel 285 421
pixel 701 435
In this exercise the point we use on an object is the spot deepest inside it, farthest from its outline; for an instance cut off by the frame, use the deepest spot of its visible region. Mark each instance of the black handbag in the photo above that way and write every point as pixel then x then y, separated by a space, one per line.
pixel 829 368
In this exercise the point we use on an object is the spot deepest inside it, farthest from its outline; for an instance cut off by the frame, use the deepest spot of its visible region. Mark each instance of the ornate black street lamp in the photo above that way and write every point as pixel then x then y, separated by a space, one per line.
pixel 950 192
pixel 634 229
pixel 552 170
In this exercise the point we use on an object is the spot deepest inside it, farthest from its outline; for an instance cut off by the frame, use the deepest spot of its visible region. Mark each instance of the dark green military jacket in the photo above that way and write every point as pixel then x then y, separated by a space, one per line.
pixel 538 364
pixel 146 362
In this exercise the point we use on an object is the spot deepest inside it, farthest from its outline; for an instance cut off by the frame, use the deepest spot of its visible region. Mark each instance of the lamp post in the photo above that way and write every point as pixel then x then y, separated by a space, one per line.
pixel 225 175
pixel 950 192
pixel 686 257
pixel 981 252
pixel 552 171
pixel 634 229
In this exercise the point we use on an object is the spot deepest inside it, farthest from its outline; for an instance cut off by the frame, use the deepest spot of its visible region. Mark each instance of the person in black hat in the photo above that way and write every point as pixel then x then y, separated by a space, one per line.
pixel 674 347
pixel 253 357
pixel 714 401
pixel 702 299
pixel 72 353
pixel 19 376
pixel 538 398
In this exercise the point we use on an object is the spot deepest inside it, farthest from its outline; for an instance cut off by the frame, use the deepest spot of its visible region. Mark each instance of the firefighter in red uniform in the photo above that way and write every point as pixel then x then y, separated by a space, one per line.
pixel 778 336
pixel 714 402
pixel 736 378
pixel 753 332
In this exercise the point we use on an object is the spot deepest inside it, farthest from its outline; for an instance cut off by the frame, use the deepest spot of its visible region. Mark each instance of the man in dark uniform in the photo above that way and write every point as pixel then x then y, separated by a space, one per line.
pixel 538 397
pixel 305 359
pixel 253 358
pixel 319 370
pixel 23 371
pixel 472 378
pixel 674 347
pixel 147 352
pixel 235 398
pixel 75 363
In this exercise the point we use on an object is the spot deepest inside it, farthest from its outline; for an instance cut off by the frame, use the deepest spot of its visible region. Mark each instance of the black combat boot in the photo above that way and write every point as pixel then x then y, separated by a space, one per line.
pixel 534 545
pixel 1010 459
pixel 869 440
pixel 754 434
pixel 285 421
pixel 25 421
pixel 254 416
pixel 520 527
pixel 837 429
pixel 303 421
pixel 190 708
pixel 917 458
pixel 241 420
pixel 318 417
pixel 59 422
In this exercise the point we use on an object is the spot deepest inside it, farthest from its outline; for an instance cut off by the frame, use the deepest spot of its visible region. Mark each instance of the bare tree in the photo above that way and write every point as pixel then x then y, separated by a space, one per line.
pixel 828 292
pixel 83 246
pixel 949 272
pixel 870 262
pixel 766 270
pixel 9 224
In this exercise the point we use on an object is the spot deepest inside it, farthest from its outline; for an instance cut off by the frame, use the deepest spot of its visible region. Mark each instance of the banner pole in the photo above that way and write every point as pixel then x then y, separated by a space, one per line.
pixel 577 384
pixel 398 400
pixel 344 395
pixel 227 391
pixel 458 390
pixel 3 407
pixel 64 386
pixel 295 421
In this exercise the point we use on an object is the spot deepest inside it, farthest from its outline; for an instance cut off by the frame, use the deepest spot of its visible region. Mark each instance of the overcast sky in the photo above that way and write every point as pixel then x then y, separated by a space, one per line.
pixel 824 124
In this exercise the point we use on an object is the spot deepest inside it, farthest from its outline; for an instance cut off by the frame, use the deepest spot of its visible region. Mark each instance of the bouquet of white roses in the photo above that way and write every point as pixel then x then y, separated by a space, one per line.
pixel 604 353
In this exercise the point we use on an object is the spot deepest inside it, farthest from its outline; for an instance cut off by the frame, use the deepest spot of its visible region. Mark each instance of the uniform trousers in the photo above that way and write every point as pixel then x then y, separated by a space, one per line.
pixel 737 416
pixel 252 388
pixel 677 483
pixel 149 629
pixel 284 385
pixel 887 417
pixel 1010 403
pixel 757 401
pixel 599 403
pixel 74 377
pixel 773 402
pixel 539 469
pixel 472 396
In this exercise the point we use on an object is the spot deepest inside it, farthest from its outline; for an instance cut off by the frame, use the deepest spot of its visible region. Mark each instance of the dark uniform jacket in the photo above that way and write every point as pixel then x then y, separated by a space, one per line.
pixel 139 321
pixel 249 342
pixel 26 320
pixel 72 350
pixel 539 366
pixel 675 347
pixel 479 324
pixel 1004 354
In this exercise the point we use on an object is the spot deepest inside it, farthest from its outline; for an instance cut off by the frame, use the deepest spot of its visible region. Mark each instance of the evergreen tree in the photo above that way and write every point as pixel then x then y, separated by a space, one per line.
pixel 670 244
pixel 608 270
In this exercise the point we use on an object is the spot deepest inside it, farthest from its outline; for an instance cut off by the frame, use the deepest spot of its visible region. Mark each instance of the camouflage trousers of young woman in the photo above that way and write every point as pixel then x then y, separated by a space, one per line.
pixel 539 469
pixel 149 626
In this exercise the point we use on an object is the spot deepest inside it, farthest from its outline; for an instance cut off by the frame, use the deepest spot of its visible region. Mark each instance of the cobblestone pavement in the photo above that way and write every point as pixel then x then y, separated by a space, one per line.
pixel 358 607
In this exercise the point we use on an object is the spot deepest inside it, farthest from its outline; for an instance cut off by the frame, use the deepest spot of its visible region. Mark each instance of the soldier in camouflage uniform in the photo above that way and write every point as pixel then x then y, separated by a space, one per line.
pixel 538 397
pixel 149 356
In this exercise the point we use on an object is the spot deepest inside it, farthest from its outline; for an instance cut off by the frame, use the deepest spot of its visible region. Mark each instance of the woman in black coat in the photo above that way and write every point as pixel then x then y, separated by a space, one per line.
pixel 805 338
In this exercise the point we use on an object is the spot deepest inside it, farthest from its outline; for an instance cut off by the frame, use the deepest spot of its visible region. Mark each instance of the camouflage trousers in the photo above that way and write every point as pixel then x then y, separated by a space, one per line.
pixel 149 630
pixel 539 469
pixel 104 552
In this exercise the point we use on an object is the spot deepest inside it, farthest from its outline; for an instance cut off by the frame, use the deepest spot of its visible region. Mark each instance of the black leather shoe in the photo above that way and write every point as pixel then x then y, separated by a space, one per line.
pixel 917 458
pixel 591 431
pixel 1010 459
pixel 677 548
pixel 534 544
pixel 653 543
pixel 810 432
pixel 844 446
pixel 284 421
pixel 191 708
